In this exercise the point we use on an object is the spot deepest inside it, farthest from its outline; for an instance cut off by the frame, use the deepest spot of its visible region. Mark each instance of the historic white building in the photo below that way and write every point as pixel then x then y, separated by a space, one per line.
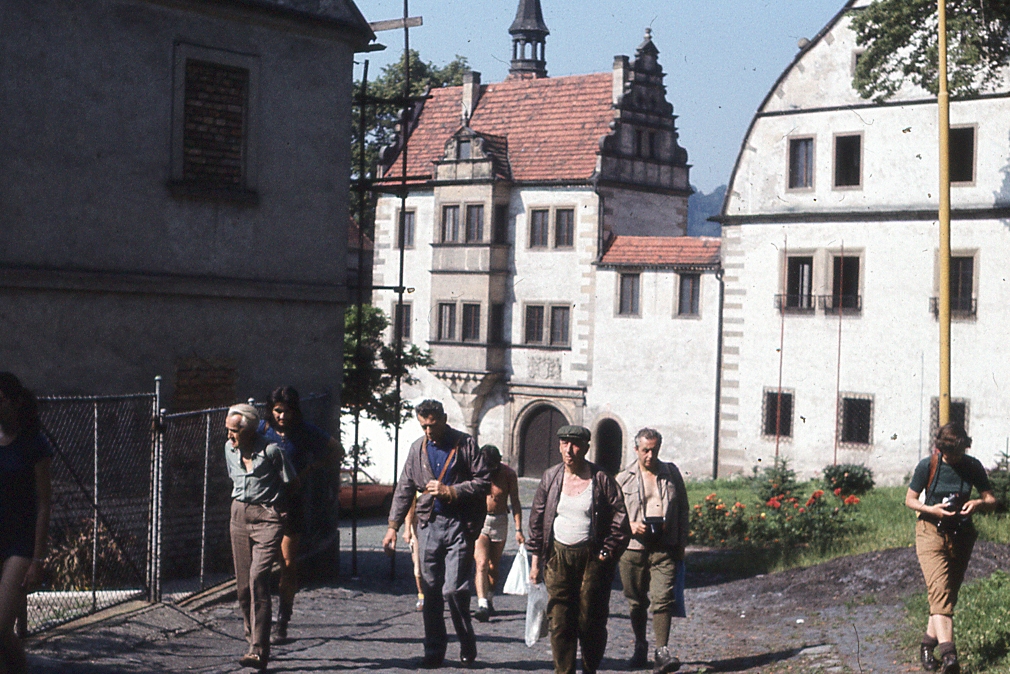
pixel 544 240
pixel 830 248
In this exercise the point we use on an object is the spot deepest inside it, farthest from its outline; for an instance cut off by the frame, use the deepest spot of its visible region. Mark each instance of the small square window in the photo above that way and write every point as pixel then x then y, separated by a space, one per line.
pixel 778 418
pixel 539 228
pixel 962 154
pixel 403 320
pixel 534 324
pixel 501 223
pixel 474 224
pixel 450 224
pixel 801 163
pixel 471 322
pixel 848 161
pixel 560 317
pixel 463 149
pixel 628 301
pixel 406 230
pixel 857 420
pixel 564 228
pixel 690 290
pixel 446 322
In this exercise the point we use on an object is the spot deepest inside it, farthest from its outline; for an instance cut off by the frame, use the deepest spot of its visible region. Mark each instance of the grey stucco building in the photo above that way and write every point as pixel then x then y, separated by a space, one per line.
pixel 173 194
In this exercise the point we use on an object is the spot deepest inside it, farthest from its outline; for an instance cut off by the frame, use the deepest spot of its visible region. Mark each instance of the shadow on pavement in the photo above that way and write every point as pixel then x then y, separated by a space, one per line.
pixel 750 661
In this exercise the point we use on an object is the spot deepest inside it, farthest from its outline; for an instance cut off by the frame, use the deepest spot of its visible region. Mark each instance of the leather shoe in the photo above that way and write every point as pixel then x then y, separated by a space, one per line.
pixel 254 660
pixel 664 661
pixel 950 664
pixel 929 663
pixel 640 658
pixel 432 661
pixel 482 614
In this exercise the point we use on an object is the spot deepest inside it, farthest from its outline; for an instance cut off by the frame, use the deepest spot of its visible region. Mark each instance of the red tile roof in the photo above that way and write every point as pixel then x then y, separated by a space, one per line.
pixel 553 125
pixel 663 251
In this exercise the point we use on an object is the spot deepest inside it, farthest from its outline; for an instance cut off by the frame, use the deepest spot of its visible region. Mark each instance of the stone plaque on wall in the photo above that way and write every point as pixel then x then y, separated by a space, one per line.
pixel 543 367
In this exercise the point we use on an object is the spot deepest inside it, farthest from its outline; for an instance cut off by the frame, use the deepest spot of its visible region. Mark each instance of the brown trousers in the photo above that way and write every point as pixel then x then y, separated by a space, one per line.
pixel 944 559
pixel 578 587
pixel 256 533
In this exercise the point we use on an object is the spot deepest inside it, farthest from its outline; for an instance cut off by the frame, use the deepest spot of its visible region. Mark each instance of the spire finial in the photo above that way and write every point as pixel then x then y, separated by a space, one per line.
pixel 648 33
pixel 529 37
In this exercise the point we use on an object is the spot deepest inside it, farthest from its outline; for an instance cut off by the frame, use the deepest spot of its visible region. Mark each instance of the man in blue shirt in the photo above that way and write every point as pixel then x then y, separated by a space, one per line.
pixel 451 479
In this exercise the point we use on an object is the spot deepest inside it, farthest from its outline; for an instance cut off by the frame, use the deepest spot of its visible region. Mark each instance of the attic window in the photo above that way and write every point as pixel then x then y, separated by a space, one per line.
pixel 463 149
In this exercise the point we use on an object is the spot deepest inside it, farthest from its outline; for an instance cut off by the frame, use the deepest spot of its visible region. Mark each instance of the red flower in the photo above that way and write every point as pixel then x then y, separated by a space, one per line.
pixel 803 510
pixel 739 505
pixel 774 503
pixel 710 497
pixel 838 491
pixel 852 500
pixel 817 494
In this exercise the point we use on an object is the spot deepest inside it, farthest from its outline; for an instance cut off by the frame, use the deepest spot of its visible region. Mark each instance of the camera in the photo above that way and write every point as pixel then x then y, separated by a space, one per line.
pixel 653 531
pixel 953 503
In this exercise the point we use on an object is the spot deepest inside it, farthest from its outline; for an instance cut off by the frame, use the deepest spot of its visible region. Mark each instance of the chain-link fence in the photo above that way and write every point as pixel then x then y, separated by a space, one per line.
pixel 141 503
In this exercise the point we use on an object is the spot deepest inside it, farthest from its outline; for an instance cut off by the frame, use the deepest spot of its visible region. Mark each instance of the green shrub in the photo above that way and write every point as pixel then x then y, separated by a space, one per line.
pixel 848 479
pixel 999 478
pixel 777 479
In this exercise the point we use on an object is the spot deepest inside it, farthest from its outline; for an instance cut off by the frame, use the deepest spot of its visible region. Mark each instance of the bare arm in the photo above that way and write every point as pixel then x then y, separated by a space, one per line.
pixel 912 501
pixel 44 495
pixel 981 505
pixel 517 508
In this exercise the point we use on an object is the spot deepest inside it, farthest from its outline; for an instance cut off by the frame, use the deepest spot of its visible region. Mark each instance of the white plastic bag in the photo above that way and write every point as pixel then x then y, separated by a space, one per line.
pixel 518 581
pixel 536 613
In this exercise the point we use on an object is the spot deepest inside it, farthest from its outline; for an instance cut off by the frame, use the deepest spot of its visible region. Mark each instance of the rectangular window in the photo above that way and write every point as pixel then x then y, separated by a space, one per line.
pixel 501 223
pixel 214 124
pixel 471 322
pixel 778 419
pixel 406 231
pixel 848 161
pixel 690 288
pixel 962 154
pixel 496 324
pixel 539 228
pixel 463 149
pixel 534 324
pixel 628 301
pixel 474 224
pixel 450 224
pixel 799 283
pixel 856 421
pixel 845 283
pixel 446 322
pixel 564 228
pixel 961 284
pixel 801 163
pixel 959 414
pixel 403 321
pixel 560 317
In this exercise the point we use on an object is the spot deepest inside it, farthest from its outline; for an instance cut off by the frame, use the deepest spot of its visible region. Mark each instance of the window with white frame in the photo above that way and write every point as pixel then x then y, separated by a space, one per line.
pixel 801 163
pixel 848 160
pixel 450 224
pixel 447 322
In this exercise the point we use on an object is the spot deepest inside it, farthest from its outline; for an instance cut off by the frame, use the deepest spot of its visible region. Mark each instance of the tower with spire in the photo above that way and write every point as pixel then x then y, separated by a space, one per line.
pixel 529 41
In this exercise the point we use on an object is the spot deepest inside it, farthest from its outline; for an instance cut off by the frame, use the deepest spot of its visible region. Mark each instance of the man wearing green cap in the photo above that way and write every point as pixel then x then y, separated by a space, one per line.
pixel 578 530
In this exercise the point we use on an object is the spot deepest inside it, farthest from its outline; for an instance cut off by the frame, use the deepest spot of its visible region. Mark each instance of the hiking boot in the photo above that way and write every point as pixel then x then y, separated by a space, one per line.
pixel 280 633
pixel 254 660
pixel 640 659
pixel 929 663
pixel 664 661
pixel 950 664
pixel 482 614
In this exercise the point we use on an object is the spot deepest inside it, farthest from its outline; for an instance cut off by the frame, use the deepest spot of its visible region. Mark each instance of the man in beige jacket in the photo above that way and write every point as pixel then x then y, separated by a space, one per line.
pixel 658 512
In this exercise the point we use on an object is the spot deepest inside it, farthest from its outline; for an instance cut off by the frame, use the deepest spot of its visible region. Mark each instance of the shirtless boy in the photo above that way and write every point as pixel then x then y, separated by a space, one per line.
pixel 491 543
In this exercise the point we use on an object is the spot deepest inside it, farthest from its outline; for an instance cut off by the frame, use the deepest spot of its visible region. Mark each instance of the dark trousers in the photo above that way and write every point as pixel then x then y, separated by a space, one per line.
pixel 446 557
pixel 578 587
pixel 256 533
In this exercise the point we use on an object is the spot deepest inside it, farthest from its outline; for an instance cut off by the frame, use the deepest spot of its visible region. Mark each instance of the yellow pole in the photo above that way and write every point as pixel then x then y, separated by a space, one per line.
pixel 943 103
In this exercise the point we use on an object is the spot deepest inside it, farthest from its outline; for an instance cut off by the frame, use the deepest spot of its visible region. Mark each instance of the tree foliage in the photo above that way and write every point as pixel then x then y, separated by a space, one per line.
pixel 370 368
pixel 901 43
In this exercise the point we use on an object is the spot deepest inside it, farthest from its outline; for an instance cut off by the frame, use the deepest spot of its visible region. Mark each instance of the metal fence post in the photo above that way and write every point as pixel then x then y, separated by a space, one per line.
pixel 94 526
pixel 203 513
pixel 154 544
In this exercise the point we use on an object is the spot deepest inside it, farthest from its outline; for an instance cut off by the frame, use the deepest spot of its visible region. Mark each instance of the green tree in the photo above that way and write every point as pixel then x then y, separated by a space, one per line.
pixel 901 43
pixel 370 368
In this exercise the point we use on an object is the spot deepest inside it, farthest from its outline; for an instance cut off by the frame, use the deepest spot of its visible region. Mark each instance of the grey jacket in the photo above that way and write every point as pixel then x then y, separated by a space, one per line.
pixel 608 528
pixel 675 504
pixel 472 483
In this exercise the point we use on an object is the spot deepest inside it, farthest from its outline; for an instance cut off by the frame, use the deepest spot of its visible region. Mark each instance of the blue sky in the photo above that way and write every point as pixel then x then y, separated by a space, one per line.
pixel 721 56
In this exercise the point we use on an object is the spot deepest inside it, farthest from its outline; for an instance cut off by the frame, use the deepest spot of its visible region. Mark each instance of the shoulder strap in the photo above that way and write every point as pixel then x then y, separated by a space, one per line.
pixel 445 466
pixel 934 464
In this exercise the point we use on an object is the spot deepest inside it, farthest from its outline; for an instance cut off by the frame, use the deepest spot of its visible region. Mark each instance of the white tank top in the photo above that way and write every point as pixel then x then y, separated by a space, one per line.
pixel 571 526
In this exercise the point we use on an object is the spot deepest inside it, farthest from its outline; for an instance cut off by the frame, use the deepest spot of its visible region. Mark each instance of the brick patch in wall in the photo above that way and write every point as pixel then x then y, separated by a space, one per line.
pixel 201 383
pixel 214 123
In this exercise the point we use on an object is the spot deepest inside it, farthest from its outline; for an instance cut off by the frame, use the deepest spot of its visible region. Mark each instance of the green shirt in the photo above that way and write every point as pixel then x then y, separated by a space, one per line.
pixel 264 483
pixel 949 479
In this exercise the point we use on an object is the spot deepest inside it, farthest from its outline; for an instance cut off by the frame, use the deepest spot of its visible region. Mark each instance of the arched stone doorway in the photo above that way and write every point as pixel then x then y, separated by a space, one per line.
pixel 538 442
pixel 609 446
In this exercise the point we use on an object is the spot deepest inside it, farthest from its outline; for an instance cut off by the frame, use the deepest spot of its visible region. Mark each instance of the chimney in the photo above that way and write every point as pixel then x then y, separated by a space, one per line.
pixel 621 69
pixel 471 94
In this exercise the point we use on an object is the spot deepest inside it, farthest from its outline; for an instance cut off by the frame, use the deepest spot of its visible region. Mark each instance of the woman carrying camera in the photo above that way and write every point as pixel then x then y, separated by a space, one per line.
pixel 945 535
pixel 656 499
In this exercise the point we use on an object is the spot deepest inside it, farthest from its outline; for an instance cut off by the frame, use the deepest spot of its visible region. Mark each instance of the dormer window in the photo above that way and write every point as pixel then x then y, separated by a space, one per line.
pixel 463 149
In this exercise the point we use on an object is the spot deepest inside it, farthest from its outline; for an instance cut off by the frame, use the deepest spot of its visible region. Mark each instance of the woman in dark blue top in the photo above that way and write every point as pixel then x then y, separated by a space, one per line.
pixel 306 447
pixel 25 497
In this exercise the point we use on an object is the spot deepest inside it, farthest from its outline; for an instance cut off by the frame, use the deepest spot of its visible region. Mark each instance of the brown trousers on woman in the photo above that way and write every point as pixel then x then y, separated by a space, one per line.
pixel 256 533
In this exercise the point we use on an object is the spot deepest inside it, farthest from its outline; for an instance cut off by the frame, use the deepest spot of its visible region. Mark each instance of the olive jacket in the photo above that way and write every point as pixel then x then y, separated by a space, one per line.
pixel 676 508
pixel 609 530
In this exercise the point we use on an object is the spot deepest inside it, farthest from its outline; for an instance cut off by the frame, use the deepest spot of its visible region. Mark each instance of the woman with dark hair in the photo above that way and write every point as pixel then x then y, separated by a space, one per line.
pixel 945 535
pixel 25 498
pixel 306 447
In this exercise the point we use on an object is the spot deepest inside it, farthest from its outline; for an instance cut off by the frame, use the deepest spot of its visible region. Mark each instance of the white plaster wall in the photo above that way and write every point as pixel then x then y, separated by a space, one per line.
pixel 658 369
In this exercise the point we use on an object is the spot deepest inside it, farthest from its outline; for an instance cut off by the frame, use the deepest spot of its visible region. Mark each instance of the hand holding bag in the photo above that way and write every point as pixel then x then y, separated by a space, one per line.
pixel 518 581
pixel 536 613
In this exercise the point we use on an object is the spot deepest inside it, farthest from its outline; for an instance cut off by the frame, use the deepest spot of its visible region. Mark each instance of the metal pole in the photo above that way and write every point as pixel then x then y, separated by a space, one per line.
pixel 718 376
pixel 160 465
pixel 782 340
pixel 943 103
pixel 838 360
pixel 94 527
pixel 153 514
pixel 203 513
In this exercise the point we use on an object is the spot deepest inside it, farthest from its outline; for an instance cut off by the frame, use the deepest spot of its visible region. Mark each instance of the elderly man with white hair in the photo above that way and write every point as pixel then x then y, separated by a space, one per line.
pixel 260 473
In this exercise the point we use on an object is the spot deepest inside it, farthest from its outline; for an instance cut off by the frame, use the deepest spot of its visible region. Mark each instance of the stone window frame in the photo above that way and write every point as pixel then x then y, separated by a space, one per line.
pixel 636 311
pixel 471 308
pixel 183 52
pixel 412 230
pixel 547 327
pixel 974 155
pixel 840 428
pixel 834 160
pixel 451 326
pixel 394 312
pixel 813 162
pixel 766 410
pixel 969 315
pixel 553 226
pixel 677 312
pixel 934 415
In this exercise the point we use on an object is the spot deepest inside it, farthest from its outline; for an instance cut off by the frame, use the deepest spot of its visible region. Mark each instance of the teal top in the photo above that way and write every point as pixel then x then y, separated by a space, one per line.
pixel 959 479
pixel 264 483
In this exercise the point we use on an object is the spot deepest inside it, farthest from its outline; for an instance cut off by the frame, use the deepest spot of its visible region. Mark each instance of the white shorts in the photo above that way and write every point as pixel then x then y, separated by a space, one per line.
pixel 496 527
